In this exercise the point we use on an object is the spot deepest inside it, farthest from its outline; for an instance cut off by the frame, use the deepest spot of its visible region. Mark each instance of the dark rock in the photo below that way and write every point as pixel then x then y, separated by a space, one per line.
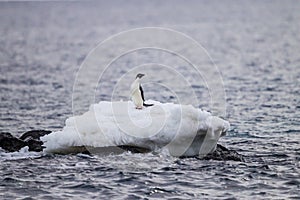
pixel 31 139
pixel 104 151
pixel 34 134
pixel 134 149
pixel 222 153
pixel 35 145
pixel 10 143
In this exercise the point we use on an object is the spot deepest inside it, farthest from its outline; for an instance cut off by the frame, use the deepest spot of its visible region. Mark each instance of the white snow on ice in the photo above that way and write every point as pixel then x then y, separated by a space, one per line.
pixel 181 130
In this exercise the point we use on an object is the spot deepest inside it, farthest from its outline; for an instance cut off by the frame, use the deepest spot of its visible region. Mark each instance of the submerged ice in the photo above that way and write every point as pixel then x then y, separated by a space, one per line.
pixel 181 130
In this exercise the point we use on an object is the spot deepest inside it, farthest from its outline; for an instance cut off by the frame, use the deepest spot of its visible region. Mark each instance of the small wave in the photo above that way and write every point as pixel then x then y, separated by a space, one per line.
pixel 23 153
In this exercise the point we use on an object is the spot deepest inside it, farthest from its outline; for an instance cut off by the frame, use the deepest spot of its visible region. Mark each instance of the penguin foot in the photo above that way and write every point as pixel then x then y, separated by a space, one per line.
pixel 140 108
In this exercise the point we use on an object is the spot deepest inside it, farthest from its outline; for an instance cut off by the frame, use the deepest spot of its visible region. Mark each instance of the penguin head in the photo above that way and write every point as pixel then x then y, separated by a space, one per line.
pixel 139 75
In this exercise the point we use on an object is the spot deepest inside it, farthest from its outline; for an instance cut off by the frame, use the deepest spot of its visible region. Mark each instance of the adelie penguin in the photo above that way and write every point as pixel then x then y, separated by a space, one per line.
pixel 137 93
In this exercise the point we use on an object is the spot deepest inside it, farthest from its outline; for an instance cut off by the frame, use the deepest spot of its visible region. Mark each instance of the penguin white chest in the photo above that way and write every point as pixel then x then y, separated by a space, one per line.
pixel 136 95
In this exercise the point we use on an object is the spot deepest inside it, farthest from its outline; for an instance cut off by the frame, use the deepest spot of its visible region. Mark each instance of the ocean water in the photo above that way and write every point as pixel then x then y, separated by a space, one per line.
pixel 254 45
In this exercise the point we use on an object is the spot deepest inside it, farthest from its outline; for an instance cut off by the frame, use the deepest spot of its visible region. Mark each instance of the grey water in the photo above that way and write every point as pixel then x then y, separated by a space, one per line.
pixel 255 46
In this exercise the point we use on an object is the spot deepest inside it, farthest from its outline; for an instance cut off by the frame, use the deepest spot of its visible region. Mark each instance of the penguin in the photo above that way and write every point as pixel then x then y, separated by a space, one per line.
pixel 137 94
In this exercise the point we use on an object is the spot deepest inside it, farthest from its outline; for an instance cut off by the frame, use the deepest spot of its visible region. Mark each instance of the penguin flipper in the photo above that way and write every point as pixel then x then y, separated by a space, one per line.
pixel 142 93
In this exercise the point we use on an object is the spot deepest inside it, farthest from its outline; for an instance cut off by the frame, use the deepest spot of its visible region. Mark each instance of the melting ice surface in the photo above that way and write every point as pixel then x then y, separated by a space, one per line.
pixel 180 130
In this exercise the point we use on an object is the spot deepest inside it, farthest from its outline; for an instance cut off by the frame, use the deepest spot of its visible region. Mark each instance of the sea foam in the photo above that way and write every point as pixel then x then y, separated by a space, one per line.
pixel 181 130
